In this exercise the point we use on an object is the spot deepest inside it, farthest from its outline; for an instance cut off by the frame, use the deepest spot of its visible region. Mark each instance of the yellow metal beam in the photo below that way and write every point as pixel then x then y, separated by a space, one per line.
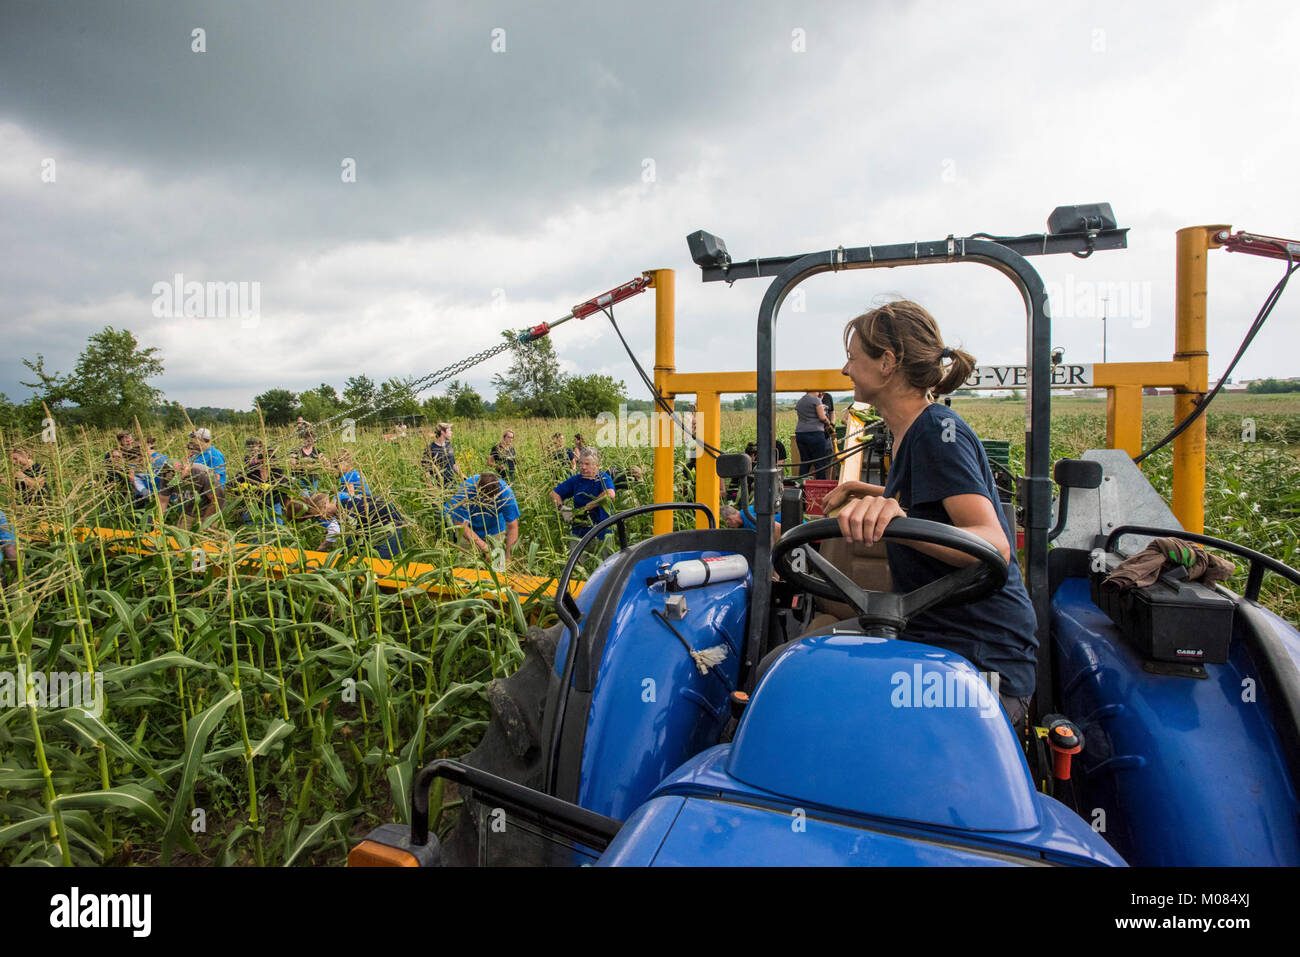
pixel 1153 374
pixel 1124 418
pixel 789 380
pixel 1190 294
pixel 708 426
pixel 664 282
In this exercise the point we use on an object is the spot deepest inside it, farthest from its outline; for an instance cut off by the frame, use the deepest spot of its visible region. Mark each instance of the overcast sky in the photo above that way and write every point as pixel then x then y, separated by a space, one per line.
pixel 512 159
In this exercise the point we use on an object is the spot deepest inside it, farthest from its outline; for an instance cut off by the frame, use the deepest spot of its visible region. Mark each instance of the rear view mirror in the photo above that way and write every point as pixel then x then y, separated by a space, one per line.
pixel 1077 473
pixel 735 465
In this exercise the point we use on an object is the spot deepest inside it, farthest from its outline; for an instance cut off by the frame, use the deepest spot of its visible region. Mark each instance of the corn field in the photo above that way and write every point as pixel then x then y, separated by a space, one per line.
pixel 251 714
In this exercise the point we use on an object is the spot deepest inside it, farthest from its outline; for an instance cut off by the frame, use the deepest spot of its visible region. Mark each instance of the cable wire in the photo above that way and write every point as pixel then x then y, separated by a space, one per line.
pixel 1269 302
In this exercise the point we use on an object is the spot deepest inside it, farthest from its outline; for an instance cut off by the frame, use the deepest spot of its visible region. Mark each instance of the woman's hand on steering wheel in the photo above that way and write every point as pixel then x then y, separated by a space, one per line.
pixel 865 519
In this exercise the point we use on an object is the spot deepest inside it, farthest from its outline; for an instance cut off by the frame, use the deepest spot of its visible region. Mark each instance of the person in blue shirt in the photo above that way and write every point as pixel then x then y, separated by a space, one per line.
pixel 940 472
pixel 208 454
pixel 157 460
pixel 367 510
pixel 589 489
pixel 8 544
pixel 739 517
pixel 352 483
pixel 485 506
pixel 157 472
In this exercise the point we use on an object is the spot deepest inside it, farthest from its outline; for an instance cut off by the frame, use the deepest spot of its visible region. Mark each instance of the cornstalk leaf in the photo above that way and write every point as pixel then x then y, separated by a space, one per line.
pixel 121 612
pixel 400 776
pixel 200 729
pixel 279 728
pixel 91 729
pixel 129 797
pixel 329 757
pixel 11 831
pixel 313 834
pixel 172 659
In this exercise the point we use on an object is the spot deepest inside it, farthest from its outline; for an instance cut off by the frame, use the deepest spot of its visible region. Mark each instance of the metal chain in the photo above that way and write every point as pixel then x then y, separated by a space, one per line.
pixel 410 388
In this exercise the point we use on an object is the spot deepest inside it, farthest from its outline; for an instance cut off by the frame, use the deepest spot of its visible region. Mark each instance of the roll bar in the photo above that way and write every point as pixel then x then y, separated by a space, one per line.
pixel 1005 254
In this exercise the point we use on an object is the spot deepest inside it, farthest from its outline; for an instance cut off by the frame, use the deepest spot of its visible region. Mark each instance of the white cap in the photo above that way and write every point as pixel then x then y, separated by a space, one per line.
pixel 203 434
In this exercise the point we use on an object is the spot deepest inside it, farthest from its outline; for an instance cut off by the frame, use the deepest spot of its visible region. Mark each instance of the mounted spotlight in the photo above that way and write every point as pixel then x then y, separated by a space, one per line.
pixel 1058 355
pixel 707 250
pixel 1088 218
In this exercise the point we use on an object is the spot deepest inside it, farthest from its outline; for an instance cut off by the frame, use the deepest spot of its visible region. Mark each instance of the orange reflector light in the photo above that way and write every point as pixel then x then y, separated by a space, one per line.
pixel 374 854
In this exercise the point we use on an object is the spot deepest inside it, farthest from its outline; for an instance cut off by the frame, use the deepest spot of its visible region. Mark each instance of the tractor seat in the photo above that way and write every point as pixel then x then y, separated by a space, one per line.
pixel 866 565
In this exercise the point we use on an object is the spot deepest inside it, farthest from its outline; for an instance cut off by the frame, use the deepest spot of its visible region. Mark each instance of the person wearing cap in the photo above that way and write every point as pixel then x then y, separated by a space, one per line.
pixel 209 455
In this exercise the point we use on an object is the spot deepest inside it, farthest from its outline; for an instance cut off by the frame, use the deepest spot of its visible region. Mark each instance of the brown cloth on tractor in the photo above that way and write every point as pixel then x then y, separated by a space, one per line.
pixel 1145 567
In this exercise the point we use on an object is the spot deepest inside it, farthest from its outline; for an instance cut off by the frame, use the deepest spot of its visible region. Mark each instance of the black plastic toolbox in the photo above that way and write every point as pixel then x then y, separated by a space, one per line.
pixel 1169 620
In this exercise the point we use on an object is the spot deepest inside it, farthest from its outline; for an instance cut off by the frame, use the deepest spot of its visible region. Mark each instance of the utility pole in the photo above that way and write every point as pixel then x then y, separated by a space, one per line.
pixel 1105 302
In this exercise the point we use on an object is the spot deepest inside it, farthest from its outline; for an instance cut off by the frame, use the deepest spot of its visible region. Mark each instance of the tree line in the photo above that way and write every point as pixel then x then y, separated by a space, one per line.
pixel 109 387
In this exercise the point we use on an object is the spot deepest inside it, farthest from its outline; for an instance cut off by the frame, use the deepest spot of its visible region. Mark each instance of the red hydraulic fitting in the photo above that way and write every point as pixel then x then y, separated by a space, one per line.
pixel 1066 741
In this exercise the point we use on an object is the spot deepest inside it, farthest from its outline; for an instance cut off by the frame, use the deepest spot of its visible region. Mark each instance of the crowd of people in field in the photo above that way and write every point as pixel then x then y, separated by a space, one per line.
pixel 480 509
pixel 266 489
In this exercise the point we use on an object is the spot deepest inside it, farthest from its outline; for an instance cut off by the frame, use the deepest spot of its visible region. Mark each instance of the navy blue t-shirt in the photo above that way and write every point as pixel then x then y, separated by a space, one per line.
pixel 440 462
pixel 938 457
pixel 583 491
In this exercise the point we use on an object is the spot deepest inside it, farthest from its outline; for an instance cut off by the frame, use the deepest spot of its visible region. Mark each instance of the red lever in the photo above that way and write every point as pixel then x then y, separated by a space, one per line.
pixel 1066 741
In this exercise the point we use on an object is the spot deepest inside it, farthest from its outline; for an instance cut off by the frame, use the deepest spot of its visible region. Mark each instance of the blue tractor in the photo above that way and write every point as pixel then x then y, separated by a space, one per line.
pixel 687 709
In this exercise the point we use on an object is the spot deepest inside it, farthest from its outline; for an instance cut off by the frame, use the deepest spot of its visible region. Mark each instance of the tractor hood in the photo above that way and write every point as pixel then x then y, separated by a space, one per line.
pixel 891 729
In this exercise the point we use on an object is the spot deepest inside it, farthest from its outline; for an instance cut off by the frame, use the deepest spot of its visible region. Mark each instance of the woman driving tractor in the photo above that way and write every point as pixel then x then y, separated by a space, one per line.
pixel 940 472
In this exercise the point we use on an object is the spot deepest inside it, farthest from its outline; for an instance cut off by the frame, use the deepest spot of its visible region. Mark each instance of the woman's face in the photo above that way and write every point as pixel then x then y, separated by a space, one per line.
pixel 589 467
pixel 865 371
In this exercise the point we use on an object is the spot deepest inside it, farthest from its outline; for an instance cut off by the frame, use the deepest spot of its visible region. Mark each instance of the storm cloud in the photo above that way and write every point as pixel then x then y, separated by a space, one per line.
pixel 513 159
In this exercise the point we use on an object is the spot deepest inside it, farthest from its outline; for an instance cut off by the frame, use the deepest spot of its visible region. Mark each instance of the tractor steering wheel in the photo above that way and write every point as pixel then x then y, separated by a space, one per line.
pixel 793 556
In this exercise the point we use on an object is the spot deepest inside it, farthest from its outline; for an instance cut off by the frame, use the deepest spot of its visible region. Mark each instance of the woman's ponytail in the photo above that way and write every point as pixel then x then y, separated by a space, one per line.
pixel 960 366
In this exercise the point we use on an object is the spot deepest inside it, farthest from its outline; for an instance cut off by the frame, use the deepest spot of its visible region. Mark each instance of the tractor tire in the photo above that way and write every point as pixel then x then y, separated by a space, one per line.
pixel 511 748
